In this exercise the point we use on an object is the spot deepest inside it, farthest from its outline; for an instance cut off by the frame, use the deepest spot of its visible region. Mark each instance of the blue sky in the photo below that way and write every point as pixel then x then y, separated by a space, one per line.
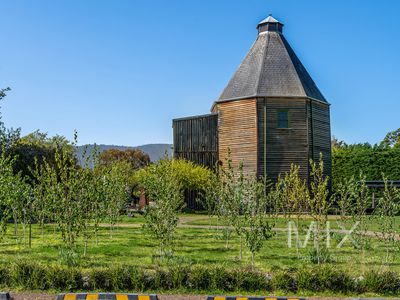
pixel 119 71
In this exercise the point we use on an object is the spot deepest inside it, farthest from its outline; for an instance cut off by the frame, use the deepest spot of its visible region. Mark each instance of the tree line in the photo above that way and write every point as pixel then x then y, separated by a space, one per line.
pixel 250 208
pixel 41 182
pixel 371 160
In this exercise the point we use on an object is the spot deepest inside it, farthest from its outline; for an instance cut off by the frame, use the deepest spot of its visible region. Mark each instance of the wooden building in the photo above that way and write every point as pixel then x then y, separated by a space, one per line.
pixel 270 115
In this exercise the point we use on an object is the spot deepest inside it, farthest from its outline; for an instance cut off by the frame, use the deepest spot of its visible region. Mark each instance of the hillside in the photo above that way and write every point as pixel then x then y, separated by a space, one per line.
pixel 155 151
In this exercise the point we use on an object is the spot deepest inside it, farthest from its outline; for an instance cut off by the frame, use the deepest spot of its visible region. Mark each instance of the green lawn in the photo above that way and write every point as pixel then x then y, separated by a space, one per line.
pixel 131 245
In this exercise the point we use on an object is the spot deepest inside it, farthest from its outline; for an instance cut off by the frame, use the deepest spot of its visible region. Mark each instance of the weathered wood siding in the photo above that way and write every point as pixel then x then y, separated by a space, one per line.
pixel 278 148
pixel 237 132
pixel 320 133
pixel 196 139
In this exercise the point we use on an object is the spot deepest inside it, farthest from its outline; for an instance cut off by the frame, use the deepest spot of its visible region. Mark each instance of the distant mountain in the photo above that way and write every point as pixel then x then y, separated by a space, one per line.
pixel 155 151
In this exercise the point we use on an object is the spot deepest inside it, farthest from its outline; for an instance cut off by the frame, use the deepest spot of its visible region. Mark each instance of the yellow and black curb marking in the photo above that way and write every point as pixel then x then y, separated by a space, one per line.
pixel 4 296
pixel 106 296
pixel 251 298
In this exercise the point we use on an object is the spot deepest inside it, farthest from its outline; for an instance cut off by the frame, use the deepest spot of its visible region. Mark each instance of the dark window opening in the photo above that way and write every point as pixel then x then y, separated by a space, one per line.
pixel 283 119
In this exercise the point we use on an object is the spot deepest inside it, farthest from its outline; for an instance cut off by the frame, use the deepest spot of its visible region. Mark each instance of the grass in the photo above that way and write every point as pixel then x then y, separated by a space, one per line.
pixel 131 245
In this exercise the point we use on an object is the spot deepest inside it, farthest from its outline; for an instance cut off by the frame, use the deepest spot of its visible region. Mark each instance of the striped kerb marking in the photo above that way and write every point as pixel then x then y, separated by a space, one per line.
pixel 250 298
pixel 105 296
pixel 4 296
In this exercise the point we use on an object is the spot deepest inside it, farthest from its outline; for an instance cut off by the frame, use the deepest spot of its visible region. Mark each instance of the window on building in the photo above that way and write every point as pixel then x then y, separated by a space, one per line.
pixel 283 119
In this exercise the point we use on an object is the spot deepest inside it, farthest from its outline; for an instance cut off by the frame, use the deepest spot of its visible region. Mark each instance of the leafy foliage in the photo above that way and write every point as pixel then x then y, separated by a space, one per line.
pixel 163 185
pixel 7 136
pixel 32 276
pixel 351 160
pixel 392 139
pixel 320 202
pixel 135 157
pixel 388 207
pixel 14 194
pixel 257 228
pixel 36 148
pixel 77 198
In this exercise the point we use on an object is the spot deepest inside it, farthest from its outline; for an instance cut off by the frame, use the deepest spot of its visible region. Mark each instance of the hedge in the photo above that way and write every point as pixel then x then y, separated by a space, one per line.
pixel 372 161
pixel 32 276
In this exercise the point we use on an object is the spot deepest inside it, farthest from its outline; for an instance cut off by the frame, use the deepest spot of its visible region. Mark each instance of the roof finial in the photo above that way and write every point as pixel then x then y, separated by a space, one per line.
pixel 270 24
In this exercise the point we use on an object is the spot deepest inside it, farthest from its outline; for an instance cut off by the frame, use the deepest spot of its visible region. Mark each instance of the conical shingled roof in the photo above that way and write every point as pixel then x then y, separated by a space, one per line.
pixel 269 19
pixel 271 69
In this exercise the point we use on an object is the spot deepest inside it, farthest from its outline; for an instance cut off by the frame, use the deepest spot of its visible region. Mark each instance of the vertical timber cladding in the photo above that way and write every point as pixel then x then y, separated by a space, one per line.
pixel 278 148
pixel 237 132
pixel 196 139
pixel 320 133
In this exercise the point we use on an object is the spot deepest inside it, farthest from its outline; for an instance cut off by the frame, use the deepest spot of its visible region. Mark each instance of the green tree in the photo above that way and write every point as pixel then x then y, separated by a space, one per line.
pixel 392 139
pixel 291 196
pixel 7 136
pixel 362 201
pixel 320 202
pixel 14 196
pixel 37 147
pixel 116 180
pixel 163 185
pixel 211 195
pixel 3 92
pixel 7 191
pixel 62 189
pixel 227 209
pixel 387 208
pixel 370 160
pixel 135 157
pixel 235 203
pixel 257 229
pixel 345 194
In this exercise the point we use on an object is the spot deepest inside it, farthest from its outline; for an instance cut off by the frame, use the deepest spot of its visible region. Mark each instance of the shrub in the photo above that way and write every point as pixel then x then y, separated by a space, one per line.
pixel 100 279
pixel 136 278
pixel 62 278
pixel 385 282
pixel 162 279
pixel 179 276
pixel 111 279
pixel 28 276
pixel 223 279
pixel 323 278
pixel 121 278
pixel 4 275
pixel 31 276
pixel 252 281
pixel 199 278
pixel 284 280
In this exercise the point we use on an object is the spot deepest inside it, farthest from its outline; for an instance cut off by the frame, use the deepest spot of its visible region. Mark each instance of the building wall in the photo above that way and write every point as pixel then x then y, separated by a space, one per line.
pixel 320 133
pixel 282 146
pixel 237 132
pixel 263 147
pixel 196 139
